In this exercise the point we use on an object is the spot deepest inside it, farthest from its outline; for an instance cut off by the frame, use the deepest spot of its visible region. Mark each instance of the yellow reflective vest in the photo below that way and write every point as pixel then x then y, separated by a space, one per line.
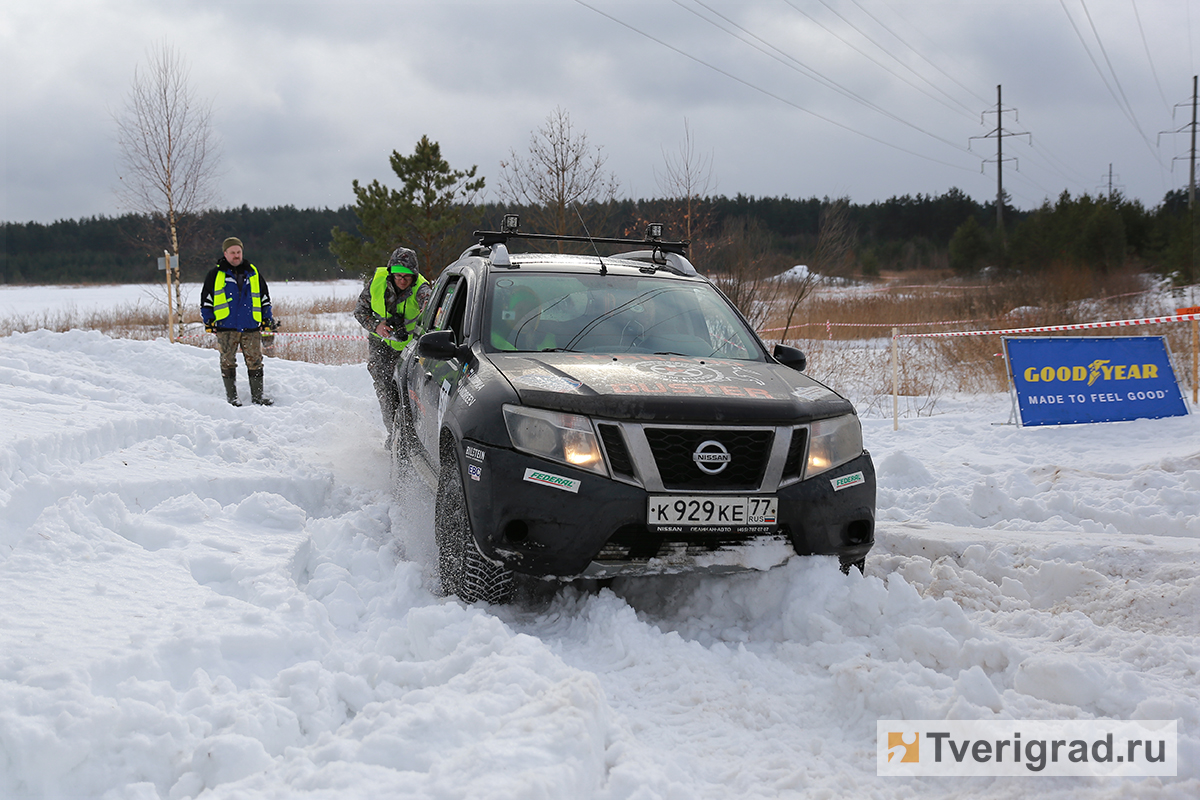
pixel 403 318
pixel 221 299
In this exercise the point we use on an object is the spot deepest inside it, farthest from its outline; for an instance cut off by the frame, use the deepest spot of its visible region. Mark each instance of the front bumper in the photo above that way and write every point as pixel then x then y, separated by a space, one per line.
pixel 563 523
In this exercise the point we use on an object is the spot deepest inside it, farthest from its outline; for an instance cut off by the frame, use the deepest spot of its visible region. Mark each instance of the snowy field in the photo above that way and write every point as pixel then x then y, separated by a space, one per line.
pixel 197 599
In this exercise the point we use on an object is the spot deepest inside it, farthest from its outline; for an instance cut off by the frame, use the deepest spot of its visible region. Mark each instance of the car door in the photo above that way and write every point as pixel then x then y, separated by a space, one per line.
pixel 435 379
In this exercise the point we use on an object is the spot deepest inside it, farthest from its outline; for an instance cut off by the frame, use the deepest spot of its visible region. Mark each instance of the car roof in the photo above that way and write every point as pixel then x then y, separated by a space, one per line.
pixel 561 262
pixel 497 259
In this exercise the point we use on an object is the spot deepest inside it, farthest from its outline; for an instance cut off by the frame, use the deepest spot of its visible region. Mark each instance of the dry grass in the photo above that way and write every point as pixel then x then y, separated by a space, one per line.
pixel 845 331
pixel 321 330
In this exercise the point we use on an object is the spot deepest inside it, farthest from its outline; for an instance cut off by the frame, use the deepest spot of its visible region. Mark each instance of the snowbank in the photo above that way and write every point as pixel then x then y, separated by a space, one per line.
pixel 201 599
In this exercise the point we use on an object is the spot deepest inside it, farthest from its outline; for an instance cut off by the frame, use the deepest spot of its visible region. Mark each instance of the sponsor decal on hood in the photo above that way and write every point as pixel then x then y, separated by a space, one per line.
pixel 665 388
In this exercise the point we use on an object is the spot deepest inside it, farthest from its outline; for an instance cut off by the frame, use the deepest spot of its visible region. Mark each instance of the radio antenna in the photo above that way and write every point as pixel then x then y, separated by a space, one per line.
pixel 603 268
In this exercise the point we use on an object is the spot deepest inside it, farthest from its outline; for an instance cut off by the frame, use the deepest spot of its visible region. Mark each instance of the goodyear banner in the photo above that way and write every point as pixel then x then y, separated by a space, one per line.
pixel 1061 380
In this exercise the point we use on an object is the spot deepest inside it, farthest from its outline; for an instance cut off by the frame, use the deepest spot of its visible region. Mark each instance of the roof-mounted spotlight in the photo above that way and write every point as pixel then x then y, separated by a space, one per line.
pixel 654 232
pixel 511 223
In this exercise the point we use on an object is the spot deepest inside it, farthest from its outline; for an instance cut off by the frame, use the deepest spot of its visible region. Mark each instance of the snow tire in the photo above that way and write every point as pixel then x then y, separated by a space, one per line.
pixel 464 570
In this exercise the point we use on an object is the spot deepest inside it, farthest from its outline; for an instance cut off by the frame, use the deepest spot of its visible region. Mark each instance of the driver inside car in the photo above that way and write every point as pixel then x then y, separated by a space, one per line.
pixel 516 326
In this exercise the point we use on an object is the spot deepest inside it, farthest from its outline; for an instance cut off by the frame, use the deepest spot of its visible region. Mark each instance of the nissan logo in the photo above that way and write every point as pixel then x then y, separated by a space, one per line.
pixel 711 457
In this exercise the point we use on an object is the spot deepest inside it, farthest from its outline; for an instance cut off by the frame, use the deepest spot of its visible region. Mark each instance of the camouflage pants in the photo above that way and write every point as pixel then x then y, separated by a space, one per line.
pixel 251 343
pixel 381 364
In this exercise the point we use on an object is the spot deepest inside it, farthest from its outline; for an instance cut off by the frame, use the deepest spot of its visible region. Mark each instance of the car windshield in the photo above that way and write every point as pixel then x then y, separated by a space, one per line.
pixel 614 314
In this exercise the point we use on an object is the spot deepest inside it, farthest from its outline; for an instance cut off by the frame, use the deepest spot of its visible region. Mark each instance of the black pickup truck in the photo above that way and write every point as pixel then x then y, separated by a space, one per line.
pixel 590 417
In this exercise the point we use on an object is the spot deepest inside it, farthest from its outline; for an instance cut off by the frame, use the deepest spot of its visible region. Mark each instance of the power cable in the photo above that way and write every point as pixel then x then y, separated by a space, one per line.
pixel 966 111
pixel 800 66
pixel 1149 58
pixel 767 92
pixel 1112 70
pixel 1051 162
pixel 1124 106
pixel 1075 179
pixel 900 39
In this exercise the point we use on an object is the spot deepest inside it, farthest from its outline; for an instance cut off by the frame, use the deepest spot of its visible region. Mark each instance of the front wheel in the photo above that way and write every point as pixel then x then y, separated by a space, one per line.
pixel 464 570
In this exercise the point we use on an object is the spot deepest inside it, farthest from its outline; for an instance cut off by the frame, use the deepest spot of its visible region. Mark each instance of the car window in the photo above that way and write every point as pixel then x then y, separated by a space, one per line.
pixel 447 310
pixel 614 314
pixel 450 308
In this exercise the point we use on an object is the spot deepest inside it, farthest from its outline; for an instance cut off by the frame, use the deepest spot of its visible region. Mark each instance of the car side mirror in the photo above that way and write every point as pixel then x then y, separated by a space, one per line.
pixel 791 357
pixel 439 345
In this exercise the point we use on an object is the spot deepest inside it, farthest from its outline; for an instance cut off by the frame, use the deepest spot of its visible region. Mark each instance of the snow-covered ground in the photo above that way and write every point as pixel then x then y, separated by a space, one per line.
pixel 201 599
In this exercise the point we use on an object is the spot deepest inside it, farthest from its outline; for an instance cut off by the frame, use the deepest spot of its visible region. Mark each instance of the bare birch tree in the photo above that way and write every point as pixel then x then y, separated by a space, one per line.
pixel 744 265
pixel 687 179
pixel 560 171
pixel 835 247
pixel 168 157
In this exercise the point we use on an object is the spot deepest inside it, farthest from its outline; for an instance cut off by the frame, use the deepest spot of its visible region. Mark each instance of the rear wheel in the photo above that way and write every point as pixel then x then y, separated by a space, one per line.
pixel 464 570
pixel 403 440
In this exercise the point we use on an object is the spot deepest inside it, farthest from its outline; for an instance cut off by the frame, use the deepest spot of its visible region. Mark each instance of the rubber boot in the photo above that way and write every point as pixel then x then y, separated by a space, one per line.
pixel 256 388
pixel 230 378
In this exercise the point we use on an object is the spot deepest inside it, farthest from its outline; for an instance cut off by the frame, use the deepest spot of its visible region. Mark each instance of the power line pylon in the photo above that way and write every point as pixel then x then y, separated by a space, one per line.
pixel 999 134
pixel 1190 127
pixel 1113 188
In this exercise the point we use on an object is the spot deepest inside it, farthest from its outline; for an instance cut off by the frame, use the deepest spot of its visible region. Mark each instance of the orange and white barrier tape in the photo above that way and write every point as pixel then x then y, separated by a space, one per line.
pixel 1082 326
pixel 830 325
pixel 293 335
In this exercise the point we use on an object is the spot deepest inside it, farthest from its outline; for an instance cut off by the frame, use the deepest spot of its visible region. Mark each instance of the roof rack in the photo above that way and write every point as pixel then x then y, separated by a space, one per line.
pixel 509 229
pixel 670 261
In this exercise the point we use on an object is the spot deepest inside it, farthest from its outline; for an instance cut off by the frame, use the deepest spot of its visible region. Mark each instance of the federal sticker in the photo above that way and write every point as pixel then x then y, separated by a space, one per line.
pixel 475 471
pixel 475 454
pixel 847 481
pixel 550 479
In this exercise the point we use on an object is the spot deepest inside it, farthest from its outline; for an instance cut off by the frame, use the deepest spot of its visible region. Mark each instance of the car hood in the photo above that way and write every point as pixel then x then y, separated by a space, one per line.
pixel 668 388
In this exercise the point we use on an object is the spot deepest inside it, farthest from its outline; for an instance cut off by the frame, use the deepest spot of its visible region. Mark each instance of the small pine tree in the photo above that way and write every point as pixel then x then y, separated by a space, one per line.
pixel 421 215
pixel 968 247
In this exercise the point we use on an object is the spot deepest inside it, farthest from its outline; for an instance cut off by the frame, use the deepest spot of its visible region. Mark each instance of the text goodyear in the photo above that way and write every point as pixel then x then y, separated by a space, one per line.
pixel 1064 380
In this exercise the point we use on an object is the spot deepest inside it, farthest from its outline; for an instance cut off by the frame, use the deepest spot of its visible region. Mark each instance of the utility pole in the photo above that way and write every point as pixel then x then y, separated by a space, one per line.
pixel 1192 179
pixel 999 133
pixel 1191 264
pixel 1113 188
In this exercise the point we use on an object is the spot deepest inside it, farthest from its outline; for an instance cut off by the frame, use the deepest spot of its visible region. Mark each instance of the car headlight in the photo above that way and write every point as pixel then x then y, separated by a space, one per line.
pixel 833 442
pixel 566 438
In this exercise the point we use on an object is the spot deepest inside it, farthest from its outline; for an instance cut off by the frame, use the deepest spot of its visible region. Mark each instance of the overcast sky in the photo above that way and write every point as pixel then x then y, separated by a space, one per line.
pixel 866 99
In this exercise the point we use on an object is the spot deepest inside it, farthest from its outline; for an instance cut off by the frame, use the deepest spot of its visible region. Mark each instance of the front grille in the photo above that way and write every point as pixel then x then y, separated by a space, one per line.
pixel 673 450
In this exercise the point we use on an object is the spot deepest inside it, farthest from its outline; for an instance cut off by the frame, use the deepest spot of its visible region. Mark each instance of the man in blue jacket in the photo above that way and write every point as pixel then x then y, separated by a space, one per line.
pixel 236 306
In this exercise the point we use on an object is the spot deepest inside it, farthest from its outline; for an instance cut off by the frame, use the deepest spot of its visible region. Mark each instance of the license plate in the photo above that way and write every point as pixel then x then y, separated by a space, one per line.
pixel 710 511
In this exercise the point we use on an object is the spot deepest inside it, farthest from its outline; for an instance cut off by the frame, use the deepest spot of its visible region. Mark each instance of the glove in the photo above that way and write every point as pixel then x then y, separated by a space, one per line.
pixel 210 327
pixel 271 324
